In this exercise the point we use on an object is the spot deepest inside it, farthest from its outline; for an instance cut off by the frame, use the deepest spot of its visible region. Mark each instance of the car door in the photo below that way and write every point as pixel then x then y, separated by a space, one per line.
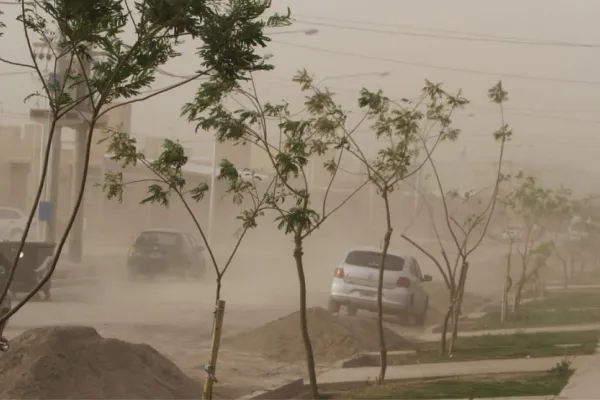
pixel 423 287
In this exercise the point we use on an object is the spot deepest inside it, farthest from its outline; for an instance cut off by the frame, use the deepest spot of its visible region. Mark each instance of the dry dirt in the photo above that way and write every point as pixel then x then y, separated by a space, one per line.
pixel 77 363
pixel 175 318
pixel 333 338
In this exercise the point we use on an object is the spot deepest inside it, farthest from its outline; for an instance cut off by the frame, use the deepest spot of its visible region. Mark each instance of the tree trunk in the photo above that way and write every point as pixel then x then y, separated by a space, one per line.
pixel 310 358
pixel 445 324
pixel 506 288
pixel 458 303
pixel 572 267
pixel 386 245
pixel 518 295
pixel 565 273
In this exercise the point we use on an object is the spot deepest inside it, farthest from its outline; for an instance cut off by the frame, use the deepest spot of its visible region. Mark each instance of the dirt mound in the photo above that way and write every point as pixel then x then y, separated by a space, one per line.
pixel 73 362
pixel 333 337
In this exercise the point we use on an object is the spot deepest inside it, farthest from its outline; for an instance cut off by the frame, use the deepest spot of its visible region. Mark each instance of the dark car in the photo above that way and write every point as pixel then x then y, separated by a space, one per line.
pixel 6 303
pixel 166 252
pixel 33 265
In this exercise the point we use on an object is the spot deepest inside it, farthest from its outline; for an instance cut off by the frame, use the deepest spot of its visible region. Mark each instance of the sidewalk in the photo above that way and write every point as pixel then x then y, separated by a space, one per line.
pixel 430 337
pixel 585 382
pixel 417 371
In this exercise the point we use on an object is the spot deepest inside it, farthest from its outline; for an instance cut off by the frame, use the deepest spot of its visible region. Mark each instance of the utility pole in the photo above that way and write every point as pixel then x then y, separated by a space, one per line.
pixel 81 135
pixel 50 193
pixel 77 119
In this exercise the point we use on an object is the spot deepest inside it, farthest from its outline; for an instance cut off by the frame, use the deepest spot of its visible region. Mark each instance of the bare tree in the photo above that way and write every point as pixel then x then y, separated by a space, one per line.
pixel 167 180
pixel 400 129
pixel 466 235
pixel 533 206
pixel 289 145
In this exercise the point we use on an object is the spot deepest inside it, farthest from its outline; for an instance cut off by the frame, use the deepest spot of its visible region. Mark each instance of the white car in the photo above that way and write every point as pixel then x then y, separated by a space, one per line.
pixel 355 284
pixel 12 223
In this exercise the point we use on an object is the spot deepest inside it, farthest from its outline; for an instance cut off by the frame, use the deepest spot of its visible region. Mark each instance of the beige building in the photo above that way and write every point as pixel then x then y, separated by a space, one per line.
pixel 113 223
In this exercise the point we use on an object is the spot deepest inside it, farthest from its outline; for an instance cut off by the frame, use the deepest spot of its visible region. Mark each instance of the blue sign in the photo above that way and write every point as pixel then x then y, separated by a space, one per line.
pixel 54 79
pixel 45 211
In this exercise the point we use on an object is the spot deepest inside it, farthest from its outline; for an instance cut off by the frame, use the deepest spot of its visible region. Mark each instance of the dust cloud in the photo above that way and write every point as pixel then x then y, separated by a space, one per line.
pixel 175 316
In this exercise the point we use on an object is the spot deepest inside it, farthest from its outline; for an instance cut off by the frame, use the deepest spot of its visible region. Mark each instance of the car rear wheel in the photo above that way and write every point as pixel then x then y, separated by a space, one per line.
pixel 333 306
pixel 421 318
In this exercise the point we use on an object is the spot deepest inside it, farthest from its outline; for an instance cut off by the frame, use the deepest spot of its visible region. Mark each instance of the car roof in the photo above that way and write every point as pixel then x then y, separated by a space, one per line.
pixel 396 253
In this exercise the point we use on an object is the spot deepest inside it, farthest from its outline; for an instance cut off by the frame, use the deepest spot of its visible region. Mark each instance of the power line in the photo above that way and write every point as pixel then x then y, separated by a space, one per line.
pixel 15 73
pixel 452 31
pixel 462 38
pixel 438 67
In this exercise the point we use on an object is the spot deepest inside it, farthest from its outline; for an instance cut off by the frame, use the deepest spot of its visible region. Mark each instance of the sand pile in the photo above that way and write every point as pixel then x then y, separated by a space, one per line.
pixel 333 337
pixel 71 362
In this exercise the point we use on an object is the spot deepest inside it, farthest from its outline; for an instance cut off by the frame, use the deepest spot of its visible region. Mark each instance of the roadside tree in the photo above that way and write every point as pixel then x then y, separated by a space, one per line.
pixel 89 87
pixel 294 141
pixel 168 181
pixel 400 129
pixel 533 206
pixel 467 234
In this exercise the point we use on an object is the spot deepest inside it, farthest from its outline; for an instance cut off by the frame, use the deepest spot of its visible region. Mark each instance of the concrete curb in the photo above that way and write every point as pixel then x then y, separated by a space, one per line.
pixel 286 391
pixel 359 359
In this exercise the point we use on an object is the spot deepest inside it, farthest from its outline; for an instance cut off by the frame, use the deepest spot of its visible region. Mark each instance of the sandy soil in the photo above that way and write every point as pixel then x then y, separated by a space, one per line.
pixel 175 317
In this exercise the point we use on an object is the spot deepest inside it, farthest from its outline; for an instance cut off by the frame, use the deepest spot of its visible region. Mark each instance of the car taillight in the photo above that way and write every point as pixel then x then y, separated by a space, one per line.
pixel 339 273
pixel 403 282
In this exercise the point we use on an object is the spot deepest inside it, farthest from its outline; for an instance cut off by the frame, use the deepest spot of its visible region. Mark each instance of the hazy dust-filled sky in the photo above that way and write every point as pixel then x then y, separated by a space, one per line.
pixel 547 52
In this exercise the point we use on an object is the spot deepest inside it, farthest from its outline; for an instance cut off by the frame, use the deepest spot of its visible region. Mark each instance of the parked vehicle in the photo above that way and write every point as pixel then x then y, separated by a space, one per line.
pixel 33 265
pixel 166 252
pixel 355 284
pixel 12 223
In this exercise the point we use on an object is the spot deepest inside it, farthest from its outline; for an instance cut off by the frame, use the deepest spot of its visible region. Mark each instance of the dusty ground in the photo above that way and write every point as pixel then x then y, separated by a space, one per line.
pixel 175 317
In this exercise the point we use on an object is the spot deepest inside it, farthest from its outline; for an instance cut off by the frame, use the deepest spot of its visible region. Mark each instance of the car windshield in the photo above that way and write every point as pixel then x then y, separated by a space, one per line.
pixel 158 238
pixel 371 259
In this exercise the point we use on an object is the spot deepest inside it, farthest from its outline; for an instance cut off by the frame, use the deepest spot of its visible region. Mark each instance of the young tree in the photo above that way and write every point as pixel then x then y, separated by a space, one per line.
pixel 290 147
pixel 580 246
pixel 401 129
pixel 167 180
pixel 76 31
pixel 562 213
pixel 466 235
pixel 533 206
